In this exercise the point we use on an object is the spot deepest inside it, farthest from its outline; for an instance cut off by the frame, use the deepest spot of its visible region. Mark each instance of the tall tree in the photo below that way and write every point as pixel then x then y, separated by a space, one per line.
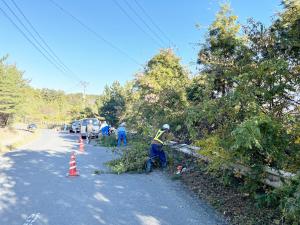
pixel 221 50
pixel 159 92
pixel 11 84
pixel 111 104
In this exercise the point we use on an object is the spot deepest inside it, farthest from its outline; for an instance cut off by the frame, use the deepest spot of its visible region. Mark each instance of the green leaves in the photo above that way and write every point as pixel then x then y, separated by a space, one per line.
pixel 159 94
pixel 133 159
pixel 261 140
pixel 111 104
pixel 288 198
pixel 247 135
pixel 11 87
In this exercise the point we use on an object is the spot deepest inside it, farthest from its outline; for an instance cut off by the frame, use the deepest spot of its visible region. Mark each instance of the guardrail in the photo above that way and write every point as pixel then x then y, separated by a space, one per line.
pixel 274 178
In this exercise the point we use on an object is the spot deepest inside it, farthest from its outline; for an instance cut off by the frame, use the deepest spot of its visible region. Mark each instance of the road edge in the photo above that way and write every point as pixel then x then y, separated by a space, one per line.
pixel 25 140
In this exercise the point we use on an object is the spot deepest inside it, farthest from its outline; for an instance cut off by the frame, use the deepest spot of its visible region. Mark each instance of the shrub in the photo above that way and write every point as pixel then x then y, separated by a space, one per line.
pixel 211 147
pixel 108 141
pixel 259 141
pixel 286 198
pixel 290 201
pixel 133 158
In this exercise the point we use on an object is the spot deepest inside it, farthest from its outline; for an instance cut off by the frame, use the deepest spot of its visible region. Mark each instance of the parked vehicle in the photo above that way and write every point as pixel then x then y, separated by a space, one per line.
pixel 96 127
pixel 32 127
pixel 75 127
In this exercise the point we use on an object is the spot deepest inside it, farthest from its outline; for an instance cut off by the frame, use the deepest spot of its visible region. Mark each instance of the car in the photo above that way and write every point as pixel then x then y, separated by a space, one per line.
pixel 96 127
pixel 75 127
pixel 32 127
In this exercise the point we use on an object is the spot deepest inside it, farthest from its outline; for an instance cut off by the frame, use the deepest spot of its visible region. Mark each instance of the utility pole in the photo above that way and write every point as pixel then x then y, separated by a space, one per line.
pixel 84 84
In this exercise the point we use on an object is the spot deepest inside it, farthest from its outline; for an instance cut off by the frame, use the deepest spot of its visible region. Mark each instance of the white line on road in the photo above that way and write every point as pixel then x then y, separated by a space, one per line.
pixel 31 219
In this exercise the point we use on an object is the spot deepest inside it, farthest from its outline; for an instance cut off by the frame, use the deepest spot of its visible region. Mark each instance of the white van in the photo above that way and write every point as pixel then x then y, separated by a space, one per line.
pixel 75 127
pixel 96 127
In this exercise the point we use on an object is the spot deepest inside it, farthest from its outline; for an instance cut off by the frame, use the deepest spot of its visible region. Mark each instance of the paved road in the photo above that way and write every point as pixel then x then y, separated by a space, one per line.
pixel 35 190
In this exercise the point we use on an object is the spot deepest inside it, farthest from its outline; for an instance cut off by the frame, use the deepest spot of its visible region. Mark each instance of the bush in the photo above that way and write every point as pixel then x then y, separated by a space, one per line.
pixel 133 159
pixel 290 201
pixel 261 141
pixel 108 141
pixel 286 198
pixel 211 147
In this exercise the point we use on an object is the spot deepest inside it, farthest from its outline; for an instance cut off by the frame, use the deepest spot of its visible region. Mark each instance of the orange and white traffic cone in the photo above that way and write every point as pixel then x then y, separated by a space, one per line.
pixel 72 171
pixel 80 139
pixel 81 146
pixel 179 169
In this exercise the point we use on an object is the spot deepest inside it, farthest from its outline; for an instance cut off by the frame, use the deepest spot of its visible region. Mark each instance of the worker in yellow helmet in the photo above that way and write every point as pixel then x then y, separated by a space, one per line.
pixel 156 151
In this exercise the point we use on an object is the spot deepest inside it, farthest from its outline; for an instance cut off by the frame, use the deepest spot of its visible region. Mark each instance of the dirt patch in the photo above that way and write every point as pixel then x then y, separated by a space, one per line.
pixel 11 138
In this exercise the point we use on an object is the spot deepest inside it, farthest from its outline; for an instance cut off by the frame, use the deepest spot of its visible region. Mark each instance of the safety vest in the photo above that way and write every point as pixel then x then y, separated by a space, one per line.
pixel 158 135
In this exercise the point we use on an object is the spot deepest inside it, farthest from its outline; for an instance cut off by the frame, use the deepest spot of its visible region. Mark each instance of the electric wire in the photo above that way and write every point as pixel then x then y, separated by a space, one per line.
pixel 153 22
pixel 95 33
pixel 31 42
pixel 43 41
pixel 133 21
pixel 144 22
pixel 29 32
pixel 38 44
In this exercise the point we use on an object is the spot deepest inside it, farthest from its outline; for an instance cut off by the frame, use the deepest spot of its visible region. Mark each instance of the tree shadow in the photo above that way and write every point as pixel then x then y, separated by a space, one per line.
pixel 33 184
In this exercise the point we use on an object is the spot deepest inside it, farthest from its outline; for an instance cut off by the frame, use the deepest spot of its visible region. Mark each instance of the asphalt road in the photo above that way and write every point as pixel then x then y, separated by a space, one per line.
pixel 34 190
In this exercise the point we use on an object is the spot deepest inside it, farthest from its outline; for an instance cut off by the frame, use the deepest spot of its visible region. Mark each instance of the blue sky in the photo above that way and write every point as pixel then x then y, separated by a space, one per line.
pixel 94 61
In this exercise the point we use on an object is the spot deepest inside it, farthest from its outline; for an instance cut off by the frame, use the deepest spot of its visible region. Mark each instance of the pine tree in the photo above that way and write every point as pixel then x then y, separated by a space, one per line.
pixel 11 84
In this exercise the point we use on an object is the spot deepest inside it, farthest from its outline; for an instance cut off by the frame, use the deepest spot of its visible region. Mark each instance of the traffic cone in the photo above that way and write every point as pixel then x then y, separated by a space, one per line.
pixel 179 169
pixel 81 146
pixel 72 170
pixel 80 139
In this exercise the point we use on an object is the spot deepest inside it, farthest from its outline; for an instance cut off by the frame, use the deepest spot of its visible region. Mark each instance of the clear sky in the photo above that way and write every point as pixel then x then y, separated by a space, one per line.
pixel 94 61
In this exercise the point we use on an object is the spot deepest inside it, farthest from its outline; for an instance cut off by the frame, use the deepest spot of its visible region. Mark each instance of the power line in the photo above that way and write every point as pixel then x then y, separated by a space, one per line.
pixel 96 34
pixel 30 41
pixel 132 20
pixel 28 31
pixel 144 22
pixel 37 44
pixel 43 41
pixel 152 21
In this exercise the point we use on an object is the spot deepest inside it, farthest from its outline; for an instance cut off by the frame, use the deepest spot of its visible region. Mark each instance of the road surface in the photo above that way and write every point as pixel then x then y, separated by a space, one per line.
pixel 34 190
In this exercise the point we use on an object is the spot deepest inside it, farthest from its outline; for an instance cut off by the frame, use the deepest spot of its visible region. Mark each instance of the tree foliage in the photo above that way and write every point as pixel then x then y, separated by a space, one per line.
pixel 23 103
pixel 111 104
pixel 11 87
pixel 158 93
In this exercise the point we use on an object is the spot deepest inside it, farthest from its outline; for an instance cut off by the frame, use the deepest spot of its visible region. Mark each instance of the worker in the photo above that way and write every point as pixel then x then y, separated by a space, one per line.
pixel 121 132
pixel 89 131
pixel 156 151
pixel 104 128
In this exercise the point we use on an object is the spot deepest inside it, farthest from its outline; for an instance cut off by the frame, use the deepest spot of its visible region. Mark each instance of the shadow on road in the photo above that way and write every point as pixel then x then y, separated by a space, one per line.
pixel 35 183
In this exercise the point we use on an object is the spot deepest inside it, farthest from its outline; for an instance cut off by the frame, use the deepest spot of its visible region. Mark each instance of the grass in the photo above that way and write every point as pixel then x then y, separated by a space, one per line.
pixel 10 134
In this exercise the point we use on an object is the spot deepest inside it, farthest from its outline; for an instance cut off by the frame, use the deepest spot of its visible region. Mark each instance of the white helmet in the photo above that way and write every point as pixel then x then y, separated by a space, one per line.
pixel 166 127
pixel 123 124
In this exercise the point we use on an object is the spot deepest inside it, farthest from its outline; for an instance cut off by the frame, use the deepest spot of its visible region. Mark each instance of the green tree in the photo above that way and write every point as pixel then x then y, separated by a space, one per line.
pixel 11 86
pixel 246 88
pixel 286 30
pixel 213 105
pixel 111 104
pixel 87 113
pixel 158 93
pixel 221 50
